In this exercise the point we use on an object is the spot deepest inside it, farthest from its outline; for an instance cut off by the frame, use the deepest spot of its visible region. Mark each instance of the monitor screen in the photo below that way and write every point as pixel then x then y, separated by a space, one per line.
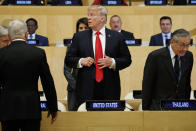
pixel 133 42
pixel 32 42
pixel 105 105
pixel 67 42
pixel 178 104
pixel 70 2
pixel 112 2
pixel 155 2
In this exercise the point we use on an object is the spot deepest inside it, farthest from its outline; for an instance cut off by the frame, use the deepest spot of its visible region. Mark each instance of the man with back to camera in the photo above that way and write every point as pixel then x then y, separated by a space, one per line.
pixel 20 67
pixel 32 26
pixel 167 72
pixel 99 54
pixel 4 39
pixel 116 24
pixel 160 39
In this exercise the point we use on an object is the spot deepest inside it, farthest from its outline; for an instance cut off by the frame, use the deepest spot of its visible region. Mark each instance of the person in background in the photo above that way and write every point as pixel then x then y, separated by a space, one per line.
pixel 4 39
pixel 161 38
pixel 32 26
pixel 21 65
pixel 71 73
pixel 99 54
pixel 116 24
pixel 99 2
pixel 167 72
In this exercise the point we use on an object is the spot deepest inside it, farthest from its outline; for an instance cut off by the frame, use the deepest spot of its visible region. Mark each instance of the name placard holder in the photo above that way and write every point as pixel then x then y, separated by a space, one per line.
pixel 178 104
pixel 105 105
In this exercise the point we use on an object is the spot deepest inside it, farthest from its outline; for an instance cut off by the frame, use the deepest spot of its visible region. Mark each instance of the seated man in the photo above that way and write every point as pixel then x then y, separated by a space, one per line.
pixel 116 23
pixel 100 2
pixel 160 39
pixel 32 27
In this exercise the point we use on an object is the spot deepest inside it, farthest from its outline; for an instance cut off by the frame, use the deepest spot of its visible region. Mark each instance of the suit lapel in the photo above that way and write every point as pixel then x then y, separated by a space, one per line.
pixel 168 63
pixel 108 41
pixel 90 43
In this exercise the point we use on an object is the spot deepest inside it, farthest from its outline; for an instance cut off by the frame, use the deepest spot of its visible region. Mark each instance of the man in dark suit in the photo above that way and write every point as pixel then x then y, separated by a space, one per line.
pixel 161 38
pixel 20 67
pixel 167 72
pixel 99 54
pixel 116 24
pixel 32 25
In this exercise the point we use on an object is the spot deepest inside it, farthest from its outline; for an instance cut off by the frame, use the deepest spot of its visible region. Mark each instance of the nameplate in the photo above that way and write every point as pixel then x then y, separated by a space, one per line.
pixel 32 42
pixel 105 105
pixel 134 42
pixel 112 2
pixel 178 104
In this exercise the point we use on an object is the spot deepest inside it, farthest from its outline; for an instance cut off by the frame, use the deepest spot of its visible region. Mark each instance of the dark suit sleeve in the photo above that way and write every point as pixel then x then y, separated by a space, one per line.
pixel 152 43
pixel 72 58
pixel 48 84
pixel 123 59
pixel 189 77
pixel 68 75
pixel 148 81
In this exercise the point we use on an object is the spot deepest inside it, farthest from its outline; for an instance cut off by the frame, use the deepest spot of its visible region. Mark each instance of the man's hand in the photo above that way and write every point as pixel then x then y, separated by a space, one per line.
pixel 104 62
pixel 88 61
pixel 54 116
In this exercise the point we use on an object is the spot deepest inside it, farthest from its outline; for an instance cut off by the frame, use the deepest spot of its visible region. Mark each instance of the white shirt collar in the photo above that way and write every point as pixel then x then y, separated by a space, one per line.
pixel 33 36
pixel 102 31
pixel 168 35
pixel 18 40
pixel 172 54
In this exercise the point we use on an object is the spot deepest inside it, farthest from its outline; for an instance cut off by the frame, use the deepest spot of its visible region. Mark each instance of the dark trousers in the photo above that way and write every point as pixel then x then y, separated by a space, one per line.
pixel 24 125
pixel 98 93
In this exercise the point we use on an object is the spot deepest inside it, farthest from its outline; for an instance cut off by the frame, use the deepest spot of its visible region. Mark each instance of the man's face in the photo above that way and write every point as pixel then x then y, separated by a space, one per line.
pixel 95 20
pixel 166 26
pixel 115 23
pixel 4 41
pixel 181 47
pixel 31 27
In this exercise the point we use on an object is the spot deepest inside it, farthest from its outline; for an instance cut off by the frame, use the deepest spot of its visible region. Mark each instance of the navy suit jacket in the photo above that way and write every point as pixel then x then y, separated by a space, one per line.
pixel 156 40
pixel 82 47
pixel 43 41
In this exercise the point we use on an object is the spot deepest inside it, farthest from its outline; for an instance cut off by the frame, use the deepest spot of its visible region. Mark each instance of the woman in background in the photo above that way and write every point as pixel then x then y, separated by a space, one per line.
pixel 71 73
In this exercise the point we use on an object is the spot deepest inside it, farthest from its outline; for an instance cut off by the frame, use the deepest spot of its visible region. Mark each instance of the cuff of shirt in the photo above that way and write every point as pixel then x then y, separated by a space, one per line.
pixel 113 66
pixel 79 64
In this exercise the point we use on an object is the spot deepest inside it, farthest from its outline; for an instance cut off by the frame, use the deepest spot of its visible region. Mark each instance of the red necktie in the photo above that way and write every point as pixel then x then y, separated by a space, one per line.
pixel 98 55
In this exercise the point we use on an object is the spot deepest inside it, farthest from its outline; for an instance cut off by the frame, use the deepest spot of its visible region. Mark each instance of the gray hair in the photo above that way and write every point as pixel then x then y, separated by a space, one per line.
pixel 102 9
pixel 17 28
pixel 3 30
pixel 180 33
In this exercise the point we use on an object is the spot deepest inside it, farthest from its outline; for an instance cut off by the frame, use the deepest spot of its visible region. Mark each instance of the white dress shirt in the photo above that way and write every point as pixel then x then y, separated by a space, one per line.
pixel 164 38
